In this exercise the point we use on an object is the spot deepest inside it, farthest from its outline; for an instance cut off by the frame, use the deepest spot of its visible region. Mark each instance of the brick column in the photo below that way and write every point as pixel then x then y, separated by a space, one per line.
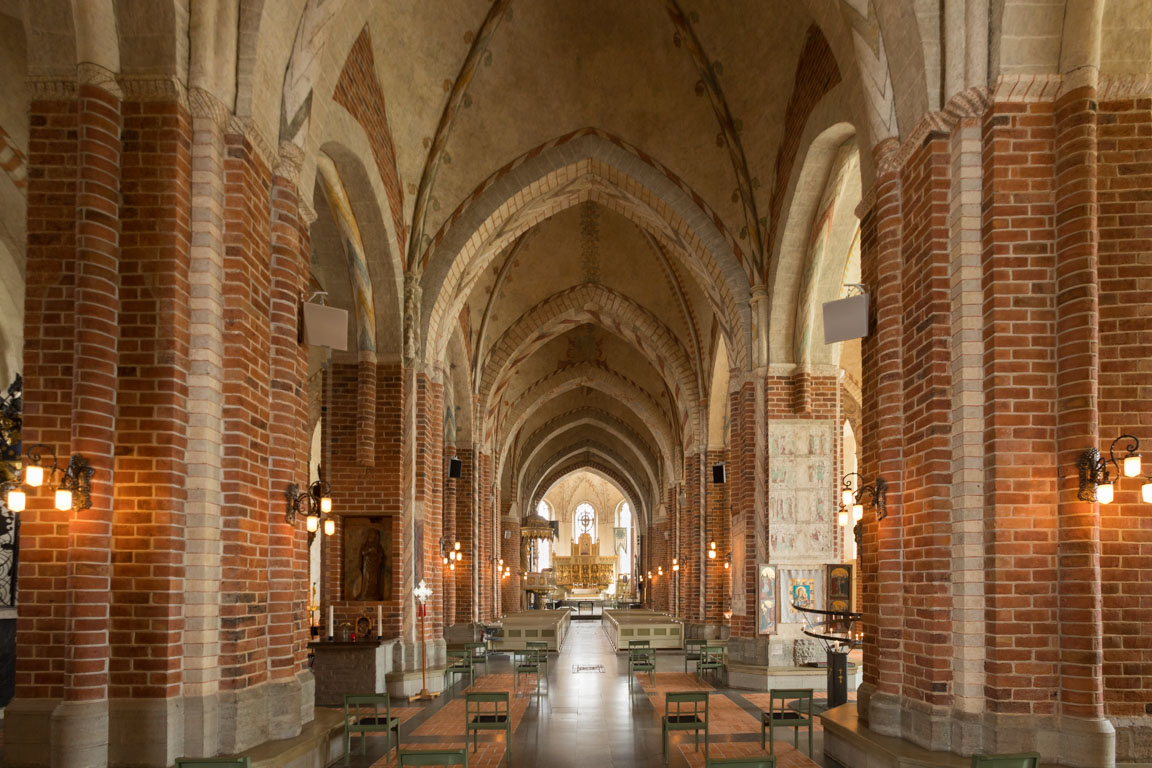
pixel 448 520
pixel 81 721
pixel 717 525
pixel 882 454
pixel 1078 426
pixel 465 497
pixel 288 444
pixel 690 547
pixel 510 551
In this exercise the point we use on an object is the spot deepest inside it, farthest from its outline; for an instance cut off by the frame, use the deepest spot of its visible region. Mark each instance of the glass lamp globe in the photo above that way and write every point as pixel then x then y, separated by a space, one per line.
pixel 1105 492
pixel 34 475
pixel 16 500
pixel 1132 465
pixel 63 499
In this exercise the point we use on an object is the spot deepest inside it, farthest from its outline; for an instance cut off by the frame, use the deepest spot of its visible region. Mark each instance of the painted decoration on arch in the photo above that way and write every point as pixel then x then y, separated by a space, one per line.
pixel 800 586
pixel 839 586
pixel 765 599
pixel 801 490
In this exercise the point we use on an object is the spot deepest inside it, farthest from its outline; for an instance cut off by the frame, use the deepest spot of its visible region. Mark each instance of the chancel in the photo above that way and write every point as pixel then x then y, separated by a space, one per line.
pixel 599 383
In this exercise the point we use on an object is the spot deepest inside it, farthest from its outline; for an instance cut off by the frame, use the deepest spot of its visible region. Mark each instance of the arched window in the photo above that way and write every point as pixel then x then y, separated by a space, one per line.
pixel 584 520
pixel 544 552
pixel 622 544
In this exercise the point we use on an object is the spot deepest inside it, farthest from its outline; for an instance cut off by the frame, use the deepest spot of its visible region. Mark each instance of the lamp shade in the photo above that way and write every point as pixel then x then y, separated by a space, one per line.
pixel 325 504
pixel 1145 493
pixel 846 498
pixel 1132 465
pixel 842 518
pixel 63 499
pixel 329 527
pixel 857 512
pixel 34 475
pixel 1105 492
pixel 16 500
pixel 313 523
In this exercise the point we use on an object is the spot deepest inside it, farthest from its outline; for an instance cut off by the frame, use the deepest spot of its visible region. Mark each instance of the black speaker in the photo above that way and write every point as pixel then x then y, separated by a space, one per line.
pixel 454 467
pixel 718 473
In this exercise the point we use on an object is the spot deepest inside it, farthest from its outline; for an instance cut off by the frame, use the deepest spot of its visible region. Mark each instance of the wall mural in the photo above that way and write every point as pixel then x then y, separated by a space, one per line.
pixel 800 490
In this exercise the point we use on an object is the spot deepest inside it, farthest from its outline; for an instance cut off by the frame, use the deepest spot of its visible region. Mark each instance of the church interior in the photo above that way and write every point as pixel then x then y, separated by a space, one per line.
pixel 556 382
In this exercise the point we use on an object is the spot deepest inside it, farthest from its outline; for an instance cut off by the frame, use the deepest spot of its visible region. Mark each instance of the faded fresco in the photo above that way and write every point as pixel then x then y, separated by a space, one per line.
pixel 800 490
pixel 766 599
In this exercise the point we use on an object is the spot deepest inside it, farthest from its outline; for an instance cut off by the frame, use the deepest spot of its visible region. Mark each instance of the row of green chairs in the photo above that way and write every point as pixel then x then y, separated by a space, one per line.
pixel 529 662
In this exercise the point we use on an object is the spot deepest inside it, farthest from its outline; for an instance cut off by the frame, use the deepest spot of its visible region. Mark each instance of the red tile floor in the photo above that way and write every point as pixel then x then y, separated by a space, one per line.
pixel 590 719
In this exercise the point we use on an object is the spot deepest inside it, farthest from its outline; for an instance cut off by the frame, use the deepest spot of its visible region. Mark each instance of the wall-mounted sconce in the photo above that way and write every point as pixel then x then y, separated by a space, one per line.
pixel 675 564
pixel 728 561
pixel 712 550
pixel 659 570
pixel 313 502
pixel 873 496
pixel 74 489
pixel 1096 483
pixel 453 556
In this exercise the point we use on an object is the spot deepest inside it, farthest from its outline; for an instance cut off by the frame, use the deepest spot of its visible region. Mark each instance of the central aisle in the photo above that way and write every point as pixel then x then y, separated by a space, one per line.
pixel 587 717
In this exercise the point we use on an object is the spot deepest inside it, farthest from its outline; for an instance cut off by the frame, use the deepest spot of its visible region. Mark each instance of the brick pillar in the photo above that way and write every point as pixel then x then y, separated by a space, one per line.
pixel 288 454
pixel 151 430
pixel 482 546
pixel 881 455
pixel 465 497
pixel 747 531
pixel 510 551
pixel 429 483
pixel 1125 407
pixel 717 527
pixel 448 520
pixel 692 543
pixel 1077 366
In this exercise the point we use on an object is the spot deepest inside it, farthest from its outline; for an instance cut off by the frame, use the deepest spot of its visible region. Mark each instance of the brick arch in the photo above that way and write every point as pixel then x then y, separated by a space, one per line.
pixel 593 464
pixel 609 382
pixel 608 309
pixel 623 436
pixel 547 180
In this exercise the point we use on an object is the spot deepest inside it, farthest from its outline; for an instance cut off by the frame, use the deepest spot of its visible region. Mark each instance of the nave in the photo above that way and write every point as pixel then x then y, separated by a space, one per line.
pixel 591 719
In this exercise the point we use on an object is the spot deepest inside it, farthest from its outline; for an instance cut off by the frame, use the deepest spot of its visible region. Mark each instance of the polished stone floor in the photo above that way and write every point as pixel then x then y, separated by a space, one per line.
pixel 591 719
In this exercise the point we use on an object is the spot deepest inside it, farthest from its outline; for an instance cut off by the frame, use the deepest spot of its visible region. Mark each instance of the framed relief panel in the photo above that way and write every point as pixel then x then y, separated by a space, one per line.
pixel 839 586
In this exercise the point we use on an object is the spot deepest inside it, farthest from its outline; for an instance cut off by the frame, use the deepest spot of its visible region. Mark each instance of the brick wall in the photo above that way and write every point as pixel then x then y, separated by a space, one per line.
pixel 717 524
pixel 465 493
pixel 361 491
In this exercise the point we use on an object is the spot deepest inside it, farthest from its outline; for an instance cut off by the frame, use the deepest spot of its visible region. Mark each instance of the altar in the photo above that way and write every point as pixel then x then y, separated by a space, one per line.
pixel 585 573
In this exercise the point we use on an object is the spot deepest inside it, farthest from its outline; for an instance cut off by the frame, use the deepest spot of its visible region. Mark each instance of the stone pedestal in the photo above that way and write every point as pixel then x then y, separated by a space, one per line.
pixel 350 668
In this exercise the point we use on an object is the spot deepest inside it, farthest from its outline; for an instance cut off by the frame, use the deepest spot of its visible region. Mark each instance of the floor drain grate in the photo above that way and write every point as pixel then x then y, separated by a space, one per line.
pixel 577 668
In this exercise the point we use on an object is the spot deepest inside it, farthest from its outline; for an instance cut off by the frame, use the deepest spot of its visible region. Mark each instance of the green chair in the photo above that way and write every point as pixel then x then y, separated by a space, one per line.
pixel 529 664
pixel 794 716
pixel 692 649
pixel 1021 760
pixel 542 648
pixel 712 659
pixel 213 762
pixel 369 713
pixel 764 761
pixel 641 660
pixel 487 712
pixel 459 663
pixel 479 653
pixel 686 711
pixel 421 757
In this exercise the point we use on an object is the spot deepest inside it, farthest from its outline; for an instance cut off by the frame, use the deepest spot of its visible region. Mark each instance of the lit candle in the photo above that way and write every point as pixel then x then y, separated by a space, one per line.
pixel 331 623
pixel 379 621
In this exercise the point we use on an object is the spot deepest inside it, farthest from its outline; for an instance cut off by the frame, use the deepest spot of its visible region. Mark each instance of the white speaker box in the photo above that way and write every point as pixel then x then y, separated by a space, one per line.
pixel 326 326
pixel 846 319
